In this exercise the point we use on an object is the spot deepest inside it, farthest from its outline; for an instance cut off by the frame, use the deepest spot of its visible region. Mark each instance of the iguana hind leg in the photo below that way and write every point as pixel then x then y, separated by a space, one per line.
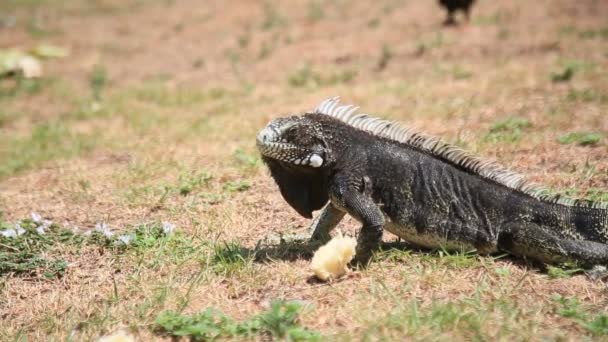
pixel 535 242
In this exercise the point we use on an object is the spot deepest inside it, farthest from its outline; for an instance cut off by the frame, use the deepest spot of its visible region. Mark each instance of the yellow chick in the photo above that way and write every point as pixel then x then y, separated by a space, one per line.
pixel 118 336
pixel 330 260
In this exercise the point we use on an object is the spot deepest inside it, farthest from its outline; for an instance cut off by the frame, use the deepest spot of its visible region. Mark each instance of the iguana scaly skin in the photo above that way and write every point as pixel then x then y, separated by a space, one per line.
pixel 425 191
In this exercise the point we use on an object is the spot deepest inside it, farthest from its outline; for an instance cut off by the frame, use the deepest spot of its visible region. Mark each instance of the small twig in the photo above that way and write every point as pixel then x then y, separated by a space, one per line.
pixel 9 247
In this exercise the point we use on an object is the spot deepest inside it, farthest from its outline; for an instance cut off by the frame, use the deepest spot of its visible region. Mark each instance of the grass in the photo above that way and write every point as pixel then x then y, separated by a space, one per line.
pixel 272 17
pixel 30 251
pixel 188 183
pixel 47 141
pixel 563 75
pixel 230 258
pixel 580 138
pixel 433 320
pixel 590 194
pixel 594 33
pixel 280 321
pixel 316 11
pixel 426 45
pixel 507 130
pixel 98 80
pixel 149 125
pixel 21 86
pixel 585 95
pixel 385 57
pixel 306 77
pixel 570 307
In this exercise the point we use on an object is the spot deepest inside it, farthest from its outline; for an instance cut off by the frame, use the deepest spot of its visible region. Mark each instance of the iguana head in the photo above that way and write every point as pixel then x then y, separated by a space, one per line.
pixel 294 140
pixel 294 150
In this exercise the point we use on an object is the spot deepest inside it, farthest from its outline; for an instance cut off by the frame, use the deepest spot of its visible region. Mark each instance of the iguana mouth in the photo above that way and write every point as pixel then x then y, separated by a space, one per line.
pixel 268 145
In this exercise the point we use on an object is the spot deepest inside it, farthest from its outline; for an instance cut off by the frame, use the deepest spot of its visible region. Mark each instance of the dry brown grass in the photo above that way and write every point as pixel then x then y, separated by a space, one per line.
pixel 190 84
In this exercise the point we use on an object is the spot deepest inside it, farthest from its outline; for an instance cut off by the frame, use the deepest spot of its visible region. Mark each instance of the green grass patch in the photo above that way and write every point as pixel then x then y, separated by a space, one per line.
pixel 570 307
pixel 47 141
pixel 452 260
pixel 496 18
pixel 590 194
pixel 385 57
pixel 157 243
pixel 586 95
pixel 394 255
pixel 581 138
pixel 7 117
pixel 374 23
pixel 237 185
pixel 272 17
pixel 502 271
pixel 306 77
pixel 98 79
pixel 189 182
pixel 569 68
pixel 597 195
pixel 161 95
pixel 279 322
pixel 460 319
pixel 315 11
pixel 563 75
pixel 594 33
pixel 248 160
pixel 426 45
pixel 507 130
pixel 38 27
pixel 230 258
pixel 460 73
pixel 27 4
pixel 21 86
pixel 25 248
pixel 563 271
pixel 31 247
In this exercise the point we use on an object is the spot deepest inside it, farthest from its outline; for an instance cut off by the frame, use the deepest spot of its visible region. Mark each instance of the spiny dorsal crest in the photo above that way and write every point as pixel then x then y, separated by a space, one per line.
pixel 485 168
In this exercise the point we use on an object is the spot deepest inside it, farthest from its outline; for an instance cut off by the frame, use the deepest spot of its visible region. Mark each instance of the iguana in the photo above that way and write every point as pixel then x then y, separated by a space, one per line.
pixel 421 189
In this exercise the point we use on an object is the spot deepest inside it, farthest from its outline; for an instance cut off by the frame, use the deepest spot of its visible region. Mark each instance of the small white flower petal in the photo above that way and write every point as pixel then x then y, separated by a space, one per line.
pixel 124 239
pixel 18 229
pixel 36 217
pixel 168 228
pixel 104 229
pixel 40 230
pixel 9 233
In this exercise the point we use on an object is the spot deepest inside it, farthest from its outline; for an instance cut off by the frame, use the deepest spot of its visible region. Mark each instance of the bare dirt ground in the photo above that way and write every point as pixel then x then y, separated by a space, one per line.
pixel 153 114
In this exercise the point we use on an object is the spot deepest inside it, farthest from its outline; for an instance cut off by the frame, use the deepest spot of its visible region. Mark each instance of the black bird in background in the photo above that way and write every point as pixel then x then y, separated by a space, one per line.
pixel 454 5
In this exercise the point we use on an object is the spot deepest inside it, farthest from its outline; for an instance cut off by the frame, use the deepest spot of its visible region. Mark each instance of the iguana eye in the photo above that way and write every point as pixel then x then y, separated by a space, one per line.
pixel 290 133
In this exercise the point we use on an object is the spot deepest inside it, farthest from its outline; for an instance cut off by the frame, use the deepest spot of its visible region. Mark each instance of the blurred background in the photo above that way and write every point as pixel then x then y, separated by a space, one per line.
pixel 126 111
pixel 191 82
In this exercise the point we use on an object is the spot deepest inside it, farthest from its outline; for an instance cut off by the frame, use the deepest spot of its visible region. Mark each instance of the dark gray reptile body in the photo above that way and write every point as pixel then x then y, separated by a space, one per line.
pixel 427 199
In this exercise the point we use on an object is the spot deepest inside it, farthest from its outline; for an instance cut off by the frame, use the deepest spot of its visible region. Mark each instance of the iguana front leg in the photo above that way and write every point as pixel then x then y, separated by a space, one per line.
pixel 324 223
pixel 357 201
